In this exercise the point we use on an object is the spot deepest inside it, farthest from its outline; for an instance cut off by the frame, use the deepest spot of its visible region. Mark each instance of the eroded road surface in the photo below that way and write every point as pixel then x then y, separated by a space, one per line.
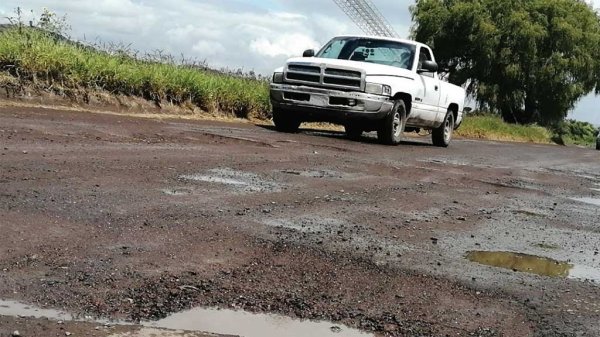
pixel 123 218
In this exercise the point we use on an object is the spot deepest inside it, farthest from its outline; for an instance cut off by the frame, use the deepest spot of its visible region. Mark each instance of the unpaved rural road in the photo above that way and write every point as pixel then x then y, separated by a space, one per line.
pixel 129 218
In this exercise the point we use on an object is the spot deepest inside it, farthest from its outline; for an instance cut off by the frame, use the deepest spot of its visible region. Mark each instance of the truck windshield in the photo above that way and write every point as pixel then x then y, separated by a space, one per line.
pixel 389 53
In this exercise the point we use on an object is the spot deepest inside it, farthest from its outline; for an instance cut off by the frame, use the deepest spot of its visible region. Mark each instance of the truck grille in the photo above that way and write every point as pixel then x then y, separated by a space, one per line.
pixel 324 76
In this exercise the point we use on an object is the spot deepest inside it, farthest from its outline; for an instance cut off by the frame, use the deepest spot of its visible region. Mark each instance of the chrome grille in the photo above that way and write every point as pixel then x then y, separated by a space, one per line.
pixel 324 76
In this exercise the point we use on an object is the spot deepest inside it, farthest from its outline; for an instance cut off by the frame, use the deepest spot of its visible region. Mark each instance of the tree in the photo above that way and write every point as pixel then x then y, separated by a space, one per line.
pixel 529 60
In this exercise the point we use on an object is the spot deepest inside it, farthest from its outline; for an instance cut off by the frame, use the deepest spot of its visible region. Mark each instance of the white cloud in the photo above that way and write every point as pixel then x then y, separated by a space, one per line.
pixel 285 45
pixel 209 48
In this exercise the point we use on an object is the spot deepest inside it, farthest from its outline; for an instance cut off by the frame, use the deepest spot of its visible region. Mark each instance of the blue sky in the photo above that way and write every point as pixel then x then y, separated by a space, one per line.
pixel 254 35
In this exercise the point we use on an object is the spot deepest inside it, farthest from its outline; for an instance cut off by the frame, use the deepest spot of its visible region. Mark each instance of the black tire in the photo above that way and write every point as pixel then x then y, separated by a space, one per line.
pixel 392 127
pixel 442 135
pixel 353 132
pixel 284 122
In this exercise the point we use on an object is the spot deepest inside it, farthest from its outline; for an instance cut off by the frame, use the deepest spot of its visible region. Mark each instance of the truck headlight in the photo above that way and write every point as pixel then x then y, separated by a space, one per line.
pixel 378 89
pixel 277 77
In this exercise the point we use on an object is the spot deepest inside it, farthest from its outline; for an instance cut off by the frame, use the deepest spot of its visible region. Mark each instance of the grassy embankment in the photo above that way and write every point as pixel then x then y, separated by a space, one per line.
pixel 32 56
pixel 492 127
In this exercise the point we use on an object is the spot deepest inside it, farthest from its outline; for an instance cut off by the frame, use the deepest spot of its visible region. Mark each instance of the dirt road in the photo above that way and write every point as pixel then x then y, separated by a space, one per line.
pixel 128 218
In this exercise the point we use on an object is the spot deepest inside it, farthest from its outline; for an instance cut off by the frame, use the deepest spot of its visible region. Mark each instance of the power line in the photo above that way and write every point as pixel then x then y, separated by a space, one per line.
pixel 367 17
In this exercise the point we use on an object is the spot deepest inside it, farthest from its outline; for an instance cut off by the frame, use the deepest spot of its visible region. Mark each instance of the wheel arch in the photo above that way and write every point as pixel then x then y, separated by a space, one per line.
pixel 407 98
pixel 454 108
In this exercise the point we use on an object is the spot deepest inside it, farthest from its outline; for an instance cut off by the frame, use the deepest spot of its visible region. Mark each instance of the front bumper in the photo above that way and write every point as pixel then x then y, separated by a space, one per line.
pixel 328 105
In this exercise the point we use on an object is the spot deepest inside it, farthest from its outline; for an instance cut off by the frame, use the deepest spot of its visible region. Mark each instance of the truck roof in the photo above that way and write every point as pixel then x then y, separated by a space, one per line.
pixel 385 38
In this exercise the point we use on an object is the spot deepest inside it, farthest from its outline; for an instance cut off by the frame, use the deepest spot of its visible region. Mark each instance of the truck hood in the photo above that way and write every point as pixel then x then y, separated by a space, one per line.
pixel 370 69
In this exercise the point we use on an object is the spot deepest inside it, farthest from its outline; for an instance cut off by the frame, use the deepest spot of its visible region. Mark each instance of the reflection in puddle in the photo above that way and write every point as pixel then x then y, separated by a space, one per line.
pixel 12 308
pixel 228 322
pixel 252 325
pixel 521 262
pixel 592 201
pixel 534 265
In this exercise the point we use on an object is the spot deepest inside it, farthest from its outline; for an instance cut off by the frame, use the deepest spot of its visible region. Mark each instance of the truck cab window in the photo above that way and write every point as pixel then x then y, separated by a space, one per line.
pixel 424 55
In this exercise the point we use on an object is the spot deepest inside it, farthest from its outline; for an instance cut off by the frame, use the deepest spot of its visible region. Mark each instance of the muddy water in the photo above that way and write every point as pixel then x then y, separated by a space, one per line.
pixel 534 265
pixel 252 325
pixel 227 322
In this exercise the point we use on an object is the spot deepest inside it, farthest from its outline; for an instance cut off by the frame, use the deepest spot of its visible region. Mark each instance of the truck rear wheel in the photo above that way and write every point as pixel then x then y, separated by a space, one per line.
pixel 284 122
pixel 442 135
pixel 392 127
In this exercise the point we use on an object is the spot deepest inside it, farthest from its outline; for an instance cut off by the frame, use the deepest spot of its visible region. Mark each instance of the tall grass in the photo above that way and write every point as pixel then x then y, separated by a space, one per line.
pixel 32 54
pixel 492 127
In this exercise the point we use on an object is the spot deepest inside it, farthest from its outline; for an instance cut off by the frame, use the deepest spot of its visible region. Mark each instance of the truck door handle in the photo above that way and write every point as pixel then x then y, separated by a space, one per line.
pixel 436 88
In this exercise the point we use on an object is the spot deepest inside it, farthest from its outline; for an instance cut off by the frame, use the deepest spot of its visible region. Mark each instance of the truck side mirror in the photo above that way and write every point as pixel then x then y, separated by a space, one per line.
pixel 308 53
pixel 428 67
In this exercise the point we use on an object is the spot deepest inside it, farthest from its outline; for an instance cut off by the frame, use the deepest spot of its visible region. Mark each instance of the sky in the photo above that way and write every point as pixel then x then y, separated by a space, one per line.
pixel 257 35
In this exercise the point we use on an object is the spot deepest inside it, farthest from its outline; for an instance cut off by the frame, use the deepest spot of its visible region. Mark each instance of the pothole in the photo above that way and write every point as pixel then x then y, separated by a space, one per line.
pixel 12 308
pixel 241 323
pixel 238 180
pixel 318 173
pixel 176 191
pixel 307 224
pixel 534 265
pixel 208 320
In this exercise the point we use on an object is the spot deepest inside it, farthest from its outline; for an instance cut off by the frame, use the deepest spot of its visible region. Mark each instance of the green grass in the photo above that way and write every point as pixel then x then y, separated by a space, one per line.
pixel 34 55
pixel 492 127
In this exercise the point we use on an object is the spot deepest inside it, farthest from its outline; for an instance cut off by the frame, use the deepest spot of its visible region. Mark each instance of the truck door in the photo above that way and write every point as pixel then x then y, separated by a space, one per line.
pixel 429 103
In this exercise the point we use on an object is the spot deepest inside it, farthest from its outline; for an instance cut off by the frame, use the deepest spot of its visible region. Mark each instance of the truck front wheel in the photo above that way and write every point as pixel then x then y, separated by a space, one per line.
pixel 284 122
pixel 392 127
pixel 442 135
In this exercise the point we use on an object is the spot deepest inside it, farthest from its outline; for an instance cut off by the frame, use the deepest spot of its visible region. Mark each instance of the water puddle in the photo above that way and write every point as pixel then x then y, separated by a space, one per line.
pixel 534 265
pixel 209 320
pixel 591 201
pixel 12 308
pixel 252 325
pixel 244 181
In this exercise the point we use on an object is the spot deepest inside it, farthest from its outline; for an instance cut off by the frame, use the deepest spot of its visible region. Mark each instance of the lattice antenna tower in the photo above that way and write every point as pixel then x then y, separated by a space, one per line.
pixel 367 17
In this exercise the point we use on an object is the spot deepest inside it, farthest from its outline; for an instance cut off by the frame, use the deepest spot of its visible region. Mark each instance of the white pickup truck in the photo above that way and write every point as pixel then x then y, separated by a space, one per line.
pixel 368 84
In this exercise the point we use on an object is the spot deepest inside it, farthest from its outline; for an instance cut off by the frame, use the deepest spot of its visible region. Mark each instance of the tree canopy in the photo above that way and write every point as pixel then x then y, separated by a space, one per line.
pixel 529 60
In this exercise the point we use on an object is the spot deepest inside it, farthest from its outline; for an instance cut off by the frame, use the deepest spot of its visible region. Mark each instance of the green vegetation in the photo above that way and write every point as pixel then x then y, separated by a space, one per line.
pixel 490 126
pixel 36 55
pixel 528 60
pixel 571 132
